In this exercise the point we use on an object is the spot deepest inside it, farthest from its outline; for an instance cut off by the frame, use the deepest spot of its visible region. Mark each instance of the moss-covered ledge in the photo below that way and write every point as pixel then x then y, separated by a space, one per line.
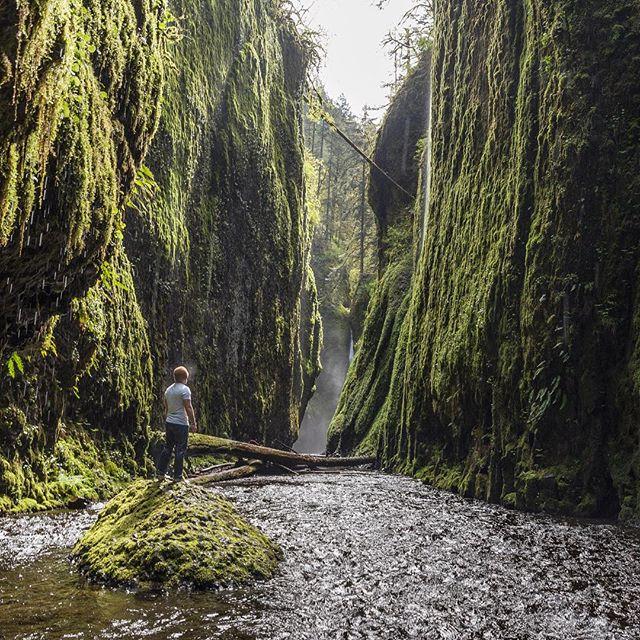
pixel 168 535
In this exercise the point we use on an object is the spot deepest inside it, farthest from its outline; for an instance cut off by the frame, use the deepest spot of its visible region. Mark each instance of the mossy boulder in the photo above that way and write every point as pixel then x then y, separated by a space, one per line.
pixel 157 534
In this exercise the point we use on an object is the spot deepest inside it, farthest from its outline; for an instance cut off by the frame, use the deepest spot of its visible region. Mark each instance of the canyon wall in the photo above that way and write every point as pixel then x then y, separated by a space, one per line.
pixel 221 252
pixel 517 364
pixel 370 402
pixel 152 212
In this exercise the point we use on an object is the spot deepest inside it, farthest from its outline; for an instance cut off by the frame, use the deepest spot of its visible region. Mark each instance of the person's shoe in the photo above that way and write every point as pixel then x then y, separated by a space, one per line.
pixel 176 479
pixel 161 477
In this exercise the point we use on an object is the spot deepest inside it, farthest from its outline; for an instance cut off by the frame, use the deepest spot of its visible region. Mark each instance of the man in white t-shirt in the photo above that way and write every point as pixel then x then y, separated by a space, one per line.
pixel 179 415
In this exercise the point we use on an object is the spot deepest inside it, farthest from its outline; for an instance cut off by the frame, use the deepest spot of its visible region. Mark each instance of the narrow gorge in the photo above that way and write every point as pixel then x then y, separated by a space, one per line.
pixel 319 319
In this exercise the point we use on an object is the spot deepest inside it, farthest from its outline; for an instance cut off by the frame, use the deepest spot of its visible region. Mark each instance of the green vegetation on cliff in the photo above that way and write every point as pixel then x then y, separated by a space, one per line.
pixel 80 468
pixel 517 377
pixel 79 93
pixel 222 256
pixel 80 84
pixel 208 265
pixel 343 253
pixel 171 535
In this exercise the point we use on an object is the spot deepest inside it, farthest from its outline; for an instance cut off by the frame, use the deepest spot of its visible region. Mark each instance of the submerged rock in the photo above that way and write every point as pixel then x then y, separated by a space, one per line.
pixel 178 534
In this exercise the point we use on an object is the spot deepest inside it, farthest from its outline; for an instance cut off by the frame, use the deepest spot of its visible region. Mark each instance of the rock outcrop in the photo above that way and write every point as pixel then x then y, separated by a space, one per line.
pixel 222 252
pixel 170 535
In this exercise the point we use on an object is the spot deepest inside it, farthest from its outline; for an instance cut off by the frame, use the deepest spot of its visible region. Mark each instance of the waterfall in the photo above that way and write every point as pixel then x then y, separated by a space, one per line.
pixel 337 353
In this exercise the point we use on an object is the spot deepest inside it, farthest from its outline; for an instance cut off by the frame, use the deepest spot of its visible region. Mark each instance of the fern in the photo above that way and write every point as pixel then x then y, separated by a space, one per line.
pixel 15 364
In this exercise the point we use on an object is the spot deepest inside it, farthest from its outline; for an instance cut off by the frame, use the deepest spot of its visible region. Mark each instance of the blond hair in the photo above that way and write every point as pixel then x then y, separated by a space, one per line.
pixel 181 374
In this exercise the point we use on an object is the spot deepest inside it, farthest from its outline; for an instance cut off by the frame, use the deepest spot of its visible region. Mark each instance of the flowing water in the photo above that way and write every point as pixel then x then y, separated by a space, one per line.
pixel 367 556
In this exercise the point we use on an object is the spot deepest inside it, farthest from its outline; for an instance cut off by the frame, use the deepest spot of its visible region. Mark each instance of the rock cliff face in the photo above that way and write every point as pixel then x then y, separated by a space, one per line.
pixel 221 255
pixel 152 211
pixel 516 367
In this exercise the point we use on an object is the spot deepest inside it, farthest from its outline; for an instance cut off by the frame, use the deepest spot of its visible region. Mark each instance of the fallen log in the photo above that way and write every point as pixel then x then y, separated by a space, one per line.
pixel 230 474
pixel 201 444
pixel 214 468
pixel 286 469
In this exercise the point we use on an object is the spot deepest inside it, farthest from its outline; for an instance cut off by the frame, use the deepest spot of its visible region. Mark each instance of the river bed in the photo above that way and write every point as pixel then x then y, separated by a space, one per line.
pixel 367 555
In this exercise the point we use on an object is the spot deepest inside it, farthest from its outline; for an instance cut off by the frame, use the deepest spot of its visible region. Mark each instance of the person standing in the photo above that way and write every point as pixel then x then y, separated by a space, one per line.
pixel 179 420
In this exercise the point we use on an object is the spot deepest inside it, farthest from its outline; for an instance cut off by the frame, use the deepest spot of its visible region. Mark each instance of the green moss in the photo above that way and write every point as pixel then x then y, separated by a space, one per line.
pixel 509 500
pixel 369 406
pixel 104 343
pixel 78 469
pixel 212 263
pixel 519 359
pixel 79 102
pixel 155 534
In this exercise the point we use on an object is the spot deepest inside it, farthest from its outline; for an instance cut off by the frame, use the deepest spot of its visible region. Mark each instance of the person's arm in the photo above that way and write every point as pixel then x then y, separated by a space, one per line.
pixel 192 416
pixel 166 408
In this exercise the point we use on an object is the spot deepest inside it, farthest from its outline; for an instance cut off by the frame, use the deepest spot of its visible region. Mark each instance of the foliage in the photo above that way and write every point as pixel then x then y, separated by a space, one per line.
pixel 371 400
pixel 409 40
pixel 14 364
pixel 340 261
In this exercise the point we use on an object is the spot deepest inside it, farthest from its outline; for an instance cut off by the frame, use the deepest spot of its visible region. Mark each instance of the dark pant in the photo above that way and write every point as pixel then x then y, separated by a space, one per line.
pixel 176 435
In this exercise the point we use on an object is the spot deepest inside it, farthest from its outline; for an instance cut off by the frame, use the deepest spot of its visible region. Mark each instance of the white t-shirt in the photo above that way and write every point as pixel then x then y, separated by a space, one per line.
pixel 175 395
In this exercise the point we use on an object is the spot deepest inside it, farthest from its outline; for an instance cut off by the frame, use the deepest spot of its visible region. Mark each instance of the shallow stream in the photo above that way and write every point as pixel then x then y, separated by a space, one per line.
pixel 367 556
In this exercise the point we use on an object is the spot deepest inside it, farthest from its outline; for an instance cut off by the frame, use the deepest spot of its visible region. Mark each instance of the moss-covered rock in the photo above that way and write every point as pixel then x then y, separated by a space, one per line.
pixel 80 86
pixel 208 263
pixel 78 469
pixel 221 252
pixel 80 82
pixel 160 534
pixel 518 379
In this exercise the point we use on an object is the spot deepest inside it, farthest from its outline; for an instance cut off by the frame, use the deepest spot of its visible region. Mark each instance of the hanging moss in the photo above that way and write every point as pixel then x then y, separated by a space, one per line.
pixel 222 255
pixel 520 382
pixel 172 535
pixel 80 82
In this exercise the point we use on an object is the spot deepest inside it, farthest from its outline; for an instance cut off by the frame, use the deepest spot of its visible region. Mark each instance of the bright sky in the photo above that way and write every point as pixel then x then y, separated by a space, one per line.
pixel 356 65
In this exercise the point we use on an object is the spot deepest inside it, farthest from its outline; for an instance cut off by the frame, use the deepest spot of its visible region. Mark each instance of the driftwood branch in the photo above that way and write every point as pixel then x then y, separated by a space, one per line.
pixel 286 469
pixel 230 474
pixel 215 468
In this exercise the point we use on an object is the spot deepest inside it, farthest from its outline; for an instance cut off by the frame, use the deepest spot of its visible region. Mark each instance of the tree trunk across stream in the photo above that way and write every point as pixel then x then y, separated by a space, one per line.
pixel 366 555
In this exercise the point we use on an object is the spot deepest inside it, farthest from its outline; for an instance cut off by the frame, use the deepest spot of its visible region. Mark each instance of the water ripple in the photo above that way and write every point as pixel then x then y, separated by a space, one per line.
pixel 367 556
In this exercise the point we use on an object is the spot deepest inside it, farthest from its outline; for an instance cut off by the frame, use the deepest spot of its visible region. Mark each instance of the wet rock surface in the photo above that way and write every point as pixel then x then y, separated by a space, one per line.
pixel 366 556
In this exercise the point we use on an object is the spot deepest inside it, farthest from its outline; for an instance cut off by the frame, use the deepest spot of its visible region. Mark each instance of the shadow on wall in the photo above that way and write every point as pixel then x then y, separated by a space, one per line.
pixel 337 352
